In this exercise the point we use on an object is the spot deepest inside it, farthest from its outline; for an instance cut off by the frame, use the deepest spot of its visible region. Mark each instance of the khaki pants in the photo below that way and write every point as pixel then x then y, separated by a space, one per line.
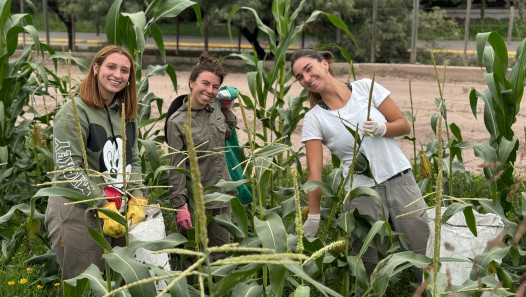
pixel 74 247
pixel 395 194
pixel 217 235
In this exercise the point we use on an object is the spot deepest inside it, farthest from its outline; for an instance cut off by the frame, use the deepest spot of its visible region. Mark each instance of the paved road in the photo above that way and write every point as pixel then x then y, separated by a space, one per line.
pixel 86 40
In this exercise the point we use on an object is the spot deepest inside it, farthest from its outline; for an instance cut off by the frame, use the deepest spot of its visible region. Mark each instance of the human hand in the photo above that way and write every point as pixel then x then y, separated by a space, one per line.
pixel 374 128
pixel 113 196
pixel 226 96
pixel 311 225
pixel 183 217
pixel 136 210
pixel 110 226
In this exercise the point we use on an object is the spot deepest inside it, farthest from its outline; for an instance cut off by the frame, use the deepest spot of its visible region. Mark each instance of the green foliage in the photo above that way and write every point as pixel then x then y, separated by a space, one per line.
pixel 24 145
pixel 393 32
pixel 267 256
pixel 433 25
pixel 501 106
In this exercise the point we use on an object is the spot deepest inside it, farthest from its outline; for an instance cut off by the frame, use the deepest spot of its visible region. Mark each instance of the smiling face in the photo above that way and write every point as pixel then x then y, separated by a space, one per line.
pixel 112 76
pixel 310 73
pixel 204 89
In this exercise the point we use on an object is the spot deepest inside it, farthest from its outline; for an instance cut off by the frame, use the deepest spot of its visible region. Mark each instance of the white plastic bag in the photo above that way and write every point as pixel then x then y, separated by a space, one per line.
pixel 152 228
pixel 462 243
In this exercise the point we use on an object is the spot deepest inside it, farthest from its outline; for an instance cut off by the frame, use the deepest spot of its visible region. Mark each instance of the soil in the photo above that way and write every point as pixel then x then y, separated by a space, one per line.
pixel 406 82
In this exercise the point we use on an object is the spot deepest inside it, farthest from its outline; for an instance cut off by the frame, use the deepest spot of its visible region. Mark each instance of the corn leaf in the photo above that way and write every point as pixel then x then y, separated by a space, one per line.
pixel 112 20
pixel 326 291
pixel 25 209
pixel 273 236
pixel 224 221
pixel 358 270
pixel 484 260
pixel 247 290
pixel 388 267
pixel 227 283
pixel 170 241
pixel 240 215
pixel 75 286
pixel 121 259
pixel 99 238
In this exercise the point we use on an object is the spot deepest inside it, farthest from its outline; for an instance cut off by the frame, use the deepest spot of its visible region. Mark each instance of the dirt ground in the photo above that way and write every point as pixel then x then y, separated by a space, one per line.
pixel 424 89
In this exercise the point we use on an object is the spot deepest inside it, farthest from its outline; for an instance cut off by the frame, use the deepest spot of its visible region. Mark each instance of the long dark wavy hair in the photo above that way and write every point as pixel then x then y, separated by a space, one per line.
pixel 318 56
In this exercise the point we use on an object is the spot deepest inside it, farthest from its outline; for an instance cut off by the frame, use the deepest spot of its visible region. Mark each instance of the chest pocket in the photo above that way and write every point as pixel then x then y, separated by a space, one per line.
pixel 211 131
pixel 220 125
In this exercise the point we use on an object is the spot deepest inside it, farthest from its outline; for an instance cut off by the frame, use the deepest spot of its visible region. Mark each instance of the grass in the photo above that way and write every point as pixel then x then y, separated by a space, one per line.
pixel 18 279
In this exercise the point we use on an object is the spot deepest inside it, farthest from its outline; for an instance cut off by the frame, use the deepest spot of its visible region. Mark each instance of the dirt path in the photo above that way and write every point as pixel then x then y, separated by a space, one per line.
pixel 424 89
pixel 459 82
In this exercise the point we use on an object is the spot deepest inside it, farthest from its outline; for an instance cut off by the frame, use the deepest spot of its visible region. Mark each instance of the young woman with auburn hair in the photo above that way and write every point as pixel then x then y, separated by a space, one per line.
pixel 109 84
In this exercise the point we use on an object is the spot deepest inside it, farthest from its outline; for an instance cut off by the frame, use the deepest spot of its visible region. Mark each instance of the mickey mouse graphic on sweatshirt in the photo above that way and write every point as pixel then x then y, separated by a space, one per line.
pixel 102 139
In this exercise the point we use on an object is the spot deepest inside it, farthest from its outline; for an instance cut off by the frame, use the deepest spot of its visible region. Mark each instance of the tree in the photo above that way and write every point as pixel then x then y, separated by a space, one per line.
pixel 393 28
pixel 215 13
pixel 244 21
pixel 69 11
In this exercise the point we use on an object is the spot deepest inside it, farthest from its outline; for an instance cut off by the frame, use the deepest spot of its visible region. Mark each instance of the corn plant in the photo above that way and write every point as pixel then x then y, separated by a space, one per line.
pixel 501 106
pixel 495 252
pixel 131 30
pixel 21 139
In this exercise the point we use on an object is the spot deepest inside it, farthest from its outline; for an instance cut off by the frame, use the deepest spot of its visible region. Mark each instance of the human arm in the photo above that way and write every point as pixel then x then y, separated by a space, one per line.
pixel 68 155
pixel 396 125
pixel 315 164
pixel 177 191
pixel 136 211
pixel 136 178
pixel 226 97
pixel 314 152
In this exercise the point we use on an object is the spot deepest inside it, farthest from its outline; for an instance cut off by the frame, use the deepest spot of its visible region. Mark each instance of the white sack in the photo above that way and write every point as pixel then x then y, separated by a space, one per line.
pixel 456 233
pixel 152 228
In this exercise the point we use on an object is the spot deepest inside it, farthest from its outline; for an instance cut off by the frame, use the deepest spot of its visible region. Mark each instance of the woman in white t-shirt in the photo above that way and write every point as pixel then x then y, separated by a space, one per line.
pixel 334 103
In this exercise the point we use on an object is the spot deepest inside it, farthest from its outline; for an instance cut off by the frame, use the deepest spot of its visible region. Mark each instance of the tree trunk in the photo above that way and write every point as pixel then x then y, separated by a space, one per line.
pixel 67 20
pixel 69 26
pixel 252 37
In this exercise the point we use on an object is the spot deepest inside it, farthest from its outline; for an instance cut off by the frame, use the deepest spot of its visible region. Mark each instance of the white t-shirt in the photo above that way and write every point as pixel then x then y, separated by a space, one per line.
pixel 385 157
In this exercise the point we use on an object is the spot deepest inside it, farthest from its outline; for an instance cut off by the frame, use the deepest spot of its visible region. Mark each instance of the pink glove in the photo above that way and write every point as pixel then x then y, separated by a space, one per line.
pixel 113 196
pixel 183 217
pixel 226 103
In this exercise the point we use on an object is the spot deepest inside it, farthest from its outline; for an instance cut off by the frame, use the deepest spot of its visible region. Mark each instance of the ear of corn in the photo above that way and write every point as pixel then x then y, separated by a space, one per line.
pixel 425 166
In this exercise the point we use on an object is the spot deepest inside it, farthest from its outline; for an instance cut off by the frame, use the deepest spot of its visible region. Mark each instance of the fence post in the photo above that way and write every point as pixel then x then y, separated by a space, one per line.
pixel 466 27
pixel 46 26
pixel 23 34
pixel 177 36
pixel 239 41
pixel 373 37
pixel 510 24
pixel 414 32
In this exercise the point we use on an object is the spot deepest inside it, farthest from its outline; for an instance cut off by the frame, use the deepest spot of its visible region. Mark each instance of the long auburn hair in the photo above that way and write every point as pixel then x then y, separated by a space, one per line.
pixel 89 89
pixel 314 98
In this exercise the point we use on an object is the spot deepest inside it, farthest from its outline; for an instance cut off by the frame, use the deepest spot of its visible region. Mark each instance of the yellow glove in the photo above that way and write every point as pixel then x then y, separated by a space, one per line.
pixel 110 226
pixel 136 210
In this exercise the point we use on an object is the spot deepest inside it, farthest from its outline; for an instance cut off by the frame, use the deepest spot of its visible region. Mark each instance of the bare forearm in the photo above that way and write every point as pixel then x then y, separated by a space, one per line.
pixel 397 128
pixel 314 198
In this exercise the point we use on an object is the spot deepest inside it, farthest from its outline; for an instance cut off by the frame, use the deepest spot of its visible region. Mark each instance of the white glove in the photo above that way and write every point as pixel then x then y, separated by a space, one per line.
pixel 374 128
pixel 311 225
